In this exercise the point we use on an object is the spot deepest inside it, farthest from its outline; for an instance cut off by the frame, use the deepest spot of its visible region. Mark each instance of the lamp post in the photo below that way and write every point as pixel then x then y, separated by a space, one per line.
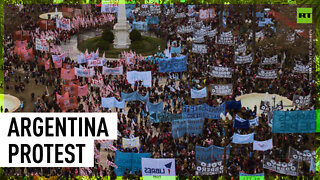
pixel 226 120
pixel 274 101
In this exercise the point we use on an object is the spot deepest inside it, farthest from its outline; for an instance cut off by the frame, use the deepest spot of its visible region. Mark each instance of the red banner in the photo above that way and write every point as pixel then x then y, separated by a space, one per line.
pixel 47 64
pixel 83 90
pixel 72 89
pixel 73 82
pixel 67 66
pixel 71 103
pixel 58 64
pixel 67 74
pixel 65 97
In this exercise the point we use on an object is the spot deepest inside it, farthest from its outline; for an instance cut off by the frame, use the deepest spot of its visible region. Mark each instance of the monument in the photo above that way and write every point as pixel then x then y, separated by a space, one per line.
pixel 121 29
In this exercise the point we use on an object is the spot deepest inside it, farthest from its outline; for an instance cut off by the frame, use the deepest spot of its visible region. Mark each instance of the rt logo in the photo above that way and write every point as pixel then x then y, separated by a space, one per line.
pixel 304 15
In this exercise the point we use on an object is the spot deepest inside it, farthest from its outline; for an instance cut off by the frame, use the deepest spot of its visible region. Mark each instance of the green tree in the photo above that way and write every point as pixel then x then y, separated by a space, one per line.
pixel 107 35
pixel 135 35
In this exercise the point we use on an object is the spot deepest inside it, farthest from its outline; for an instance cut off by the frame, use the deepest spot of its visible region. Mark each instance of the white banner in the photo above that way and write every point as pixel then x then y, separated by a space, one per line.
pixel 42 45
pixel 158 167
pixel 300 68
pixel 199 48
pixel 243 59
pixel 180 15
pixel 301 100
pixel 221 72
pixel 95 63
pixel 63 24
pixel 221 89
pixel 198 39
pixel 111 102
pixel 209 169
pixel 241 48
pixel 144 76
pixel 199 93
pixel 184 29
pixel 290 168
pixel 112 71
pixel 131 143
pixel 270 60
pixel 225 38
pixel 301 156
pixel 262 145
pixel 84 72
pixel 267 74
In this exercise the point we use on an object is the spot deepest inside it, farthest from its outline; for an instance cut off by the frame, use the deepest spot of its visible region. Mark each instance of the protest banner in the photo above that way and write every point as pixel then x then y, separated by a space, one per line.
pixel 190 126
pixel 211 154
pixel 140 25
pixel 42 45
pixel 176 64
pixel 131 143
pixel 199 48
pixel 233 104
pixel 241 49
pixel 67 104
pixel 306 155
pixel 262 145
pixel 180 15
pixel 184 29
pixel 300 68
pixel 221 72
pixel 111 102
pixel 238 122
pixel 95 63
pixel 301 100
pixel 134 96
pixel 221 89
pixel 158 167
pixel 209 169
pixel 130 161
pixel 290 168
pixel 225 38
pixel 243 59
pixel 71 89
pixel 83 90
pixel 144 76
pixel 267 74
pixel 199 93
pixel 63 24
pixel 67 74
pixel 112 71
pixel 157 107
pixel 270 60
pixel 294 122
pixel 176 50
pixel 202 111
pixel 84 72
pixel 242 138
pixel 164 117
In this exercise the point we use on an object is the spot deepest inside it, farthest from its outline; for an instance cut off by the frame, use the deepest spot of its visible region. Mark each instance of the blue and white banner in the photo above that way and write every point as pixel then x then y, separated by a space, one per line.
pixel 270 60
pixel 211 153
pixel 144 76
pixel 244 123
pixel 243 59
pixel 176 64
pixel 233 105
pixel 267 74
pixel 191 11
pixel 190 126
pixel 221 89
pixel 202 111
pixel 112 71
pixel 84 72
pixel 294 122
pixel 262 145
pixel 164 117
pixel 242 139
pixel 63 24
pixel 130 161
pixel 158 107
pixel 134 96
pixel 221 72
pixel 199 93
pixel 152 20
pixel 176 50
pixel 111 102
pixel 81 59
pixel 158 167
pixel 109 8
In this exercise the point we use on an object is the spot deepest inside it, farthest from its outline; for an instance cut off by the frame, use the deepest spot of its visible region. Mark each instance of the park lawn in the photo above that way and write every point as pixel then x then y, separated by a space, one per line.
pixel 146 46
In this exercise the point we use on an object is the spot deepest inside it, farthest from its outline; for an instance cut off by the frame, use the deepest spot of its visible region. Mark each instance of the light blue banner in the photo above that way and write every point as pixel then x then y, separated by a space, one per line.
pixel 176 50
pixel 211 153
pixel 152 20
pixel 176 64
pixel 202 111
pixel 130 161
pixel 187 126
pixel 164 117
pixel 140 25
pixel 242 139
pixel 155 107
pixel 134 96
pixel 294 122
pixel 111 102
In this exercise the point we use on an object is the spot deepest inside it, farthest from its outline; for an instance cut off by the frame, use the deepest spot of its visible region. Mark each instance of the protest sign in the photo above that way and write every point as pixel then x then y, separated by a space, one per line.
pixel 242 138
pixel 290 168
pixel 111 102
pixel 300 68
pixel 199 48
pixel 144 76
pixel 221 89
pixel 112 71
pixel 270 60
pixel 199 93
pixel 203 111
pixel 176 64
pixel 221 72
pixel 243 59
pixel 189 126
pixel 158 167
pixel 164 117
pixel 131 143
pixel 130 161
pixel 267 74
pixel 84 72
pixel 157 107
pixel 134 96
pixel 225 38
pixel 301 100
pixel 262 145
pixel 211 154
pixel 306 155
pixel 209 169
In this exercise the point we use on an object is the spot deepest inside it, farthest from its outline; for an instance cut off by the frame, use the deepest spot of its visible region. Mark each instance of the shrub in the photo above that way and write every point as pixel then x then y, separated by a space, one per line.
pixel 135 35
pixel 103 45
pixel 107 35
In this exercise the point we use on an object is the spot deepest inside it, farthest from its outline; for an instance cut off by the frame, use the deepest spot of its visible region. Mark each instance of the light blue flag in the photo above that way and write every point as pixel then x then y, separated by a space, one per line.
pixel 155 107
pixel 134 96
pixel 211 153
pixel 187 126
pixel 130 161
pixel 242 139
pixel 176 64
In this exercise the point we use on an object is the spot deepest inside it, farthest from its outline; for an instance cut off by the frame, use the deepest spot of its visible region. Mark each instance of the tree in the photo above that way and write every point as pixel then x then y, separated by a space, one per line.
pixel 135 35
pixel 107 35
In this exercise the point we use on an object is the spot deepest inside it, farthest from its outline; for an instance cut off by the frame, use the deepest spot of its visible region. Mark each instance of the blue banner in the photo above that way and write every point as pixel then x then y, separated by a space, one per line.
pixel 130 161
pixel 187 126
pixel 176 64
pixel 233 105
pixel 134 96
pixel 152 20
pixel 164 117
pixel 211 153
pixel 140 25
pixel 242 139
pixel 202 111
pixel 294 122
pixel 241 123
pixel 155 107
pixel 176 50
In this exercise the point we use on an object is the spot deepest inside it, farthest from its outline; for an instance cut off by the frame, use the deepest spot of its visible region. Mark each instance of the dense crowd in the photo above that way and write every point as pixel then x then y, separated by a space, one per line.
pixel 174 90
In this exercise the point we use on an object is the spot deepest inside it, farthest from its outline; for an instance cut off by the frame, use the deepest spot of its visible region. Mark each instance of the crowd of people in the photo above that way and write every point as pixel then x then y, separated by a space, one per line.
pixel 174 90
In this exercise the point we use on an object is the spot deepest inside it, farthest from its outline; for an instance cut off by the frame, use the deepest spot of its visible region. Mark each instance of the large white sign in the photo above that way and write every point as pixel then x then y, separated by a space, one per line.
pixel 158 167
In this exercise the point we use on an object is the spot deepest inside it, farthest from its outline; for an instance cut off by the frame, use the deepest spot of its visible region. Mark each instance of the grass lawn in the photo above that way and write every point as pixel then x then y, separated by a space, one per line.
pixel 147 46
